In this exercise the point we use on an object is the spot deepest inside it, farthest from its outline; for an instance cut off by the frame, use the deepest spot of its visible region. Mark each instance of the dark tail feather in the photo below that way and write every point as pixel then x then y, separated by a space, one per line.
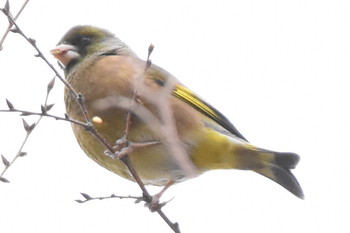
pixel 278 169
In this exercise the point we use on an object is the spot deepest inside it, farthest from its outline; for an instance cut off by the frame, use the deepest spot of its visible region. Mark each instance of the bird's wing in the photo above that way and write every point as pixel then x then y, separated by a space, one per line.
pixel 209 111
pixel 186 95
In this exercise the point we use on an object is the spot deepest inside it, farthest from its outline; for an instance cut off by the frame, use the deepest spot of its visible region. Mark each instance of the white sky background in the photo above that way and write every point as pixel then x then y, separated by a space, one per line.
pixel 278 69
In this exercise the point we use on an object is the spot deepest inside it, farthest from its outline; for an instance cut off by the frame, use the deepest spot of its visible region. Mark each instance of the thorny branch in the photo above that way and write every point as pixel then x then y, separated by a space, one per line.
pixel 154 206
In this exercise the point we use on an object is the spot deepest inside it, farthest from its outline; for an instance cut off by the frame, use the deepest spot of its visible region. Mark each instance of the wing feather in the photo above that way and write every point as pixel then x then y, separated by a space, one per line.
pixel 206 109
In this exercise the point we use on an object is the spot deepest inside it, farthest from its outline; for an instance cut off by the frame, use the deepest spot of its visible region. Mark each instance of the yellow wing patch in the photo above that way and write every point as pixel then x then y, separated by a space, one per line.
pixel 206 109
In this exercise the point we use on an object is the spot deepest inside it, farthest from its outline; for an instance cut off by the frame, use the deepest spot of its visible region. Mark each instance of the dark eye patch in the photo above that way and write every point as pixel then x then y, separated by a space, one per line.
pixel 85 40
pixel 81 41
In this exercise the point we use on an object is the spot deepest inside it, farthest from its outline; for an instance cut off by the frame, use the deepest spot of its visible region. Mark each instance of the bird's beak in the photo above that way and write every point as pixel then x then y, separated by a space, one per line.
pixel 65 53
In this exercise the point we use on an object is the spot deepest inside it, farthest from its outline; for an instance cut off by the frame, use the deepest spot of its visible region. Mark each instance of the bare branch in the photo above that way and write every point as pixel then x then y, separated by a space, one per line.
pixel 40 54
pixel 112 196
pixel 65 118
pixel 29 129
pixel 7 9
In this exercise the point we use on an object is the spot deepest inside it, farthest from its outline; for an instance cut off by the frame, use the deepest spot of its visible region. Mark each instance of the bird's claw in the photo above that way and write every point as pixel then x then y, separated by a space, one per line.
pixel 155 205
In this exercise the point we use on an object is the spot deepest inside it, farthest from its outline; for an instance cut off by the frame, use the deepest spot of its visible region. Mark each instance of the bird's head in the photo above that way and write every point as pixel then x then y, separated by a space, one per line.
pixel 81 42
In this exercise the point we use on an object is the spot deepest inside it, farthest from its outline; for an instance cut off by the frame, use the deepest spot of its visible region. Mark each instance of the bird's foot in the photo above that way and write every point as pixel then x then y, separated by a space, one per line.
pixel 155 205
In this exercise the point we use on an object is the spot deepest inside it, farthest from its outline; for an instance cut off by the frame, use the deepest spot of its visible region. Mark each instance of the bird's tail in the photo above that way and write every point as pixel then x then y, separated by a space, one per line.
pixel 277 167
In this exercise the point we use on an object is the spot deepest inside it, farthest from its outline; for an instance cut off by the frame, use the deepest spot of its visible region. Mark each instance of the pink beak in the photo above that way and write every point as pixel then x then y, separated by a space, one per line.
pixel 65 53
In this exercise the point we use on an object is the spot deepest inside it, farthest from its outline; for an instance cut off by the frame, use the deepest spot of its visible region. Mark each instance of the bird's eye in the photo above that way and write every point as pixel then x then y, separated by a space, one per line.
pixel 85 40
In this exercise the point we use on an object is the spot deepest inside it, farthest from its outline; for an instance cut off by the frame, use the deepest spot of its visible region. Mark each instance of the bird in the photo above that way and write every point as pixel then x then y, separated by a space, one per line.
pixel 176 135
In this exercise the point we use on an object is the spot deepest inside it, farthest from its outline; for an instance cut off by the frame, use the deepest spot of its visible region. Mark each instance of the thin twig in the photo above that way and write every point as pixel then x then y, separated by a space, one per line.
pixel 30 113
pixel 10 24
pixel 39 53
pixel 125 159
pixel 29 130
pixel 174 226
pixel 135 94
pixel 154 206
pixel 89 198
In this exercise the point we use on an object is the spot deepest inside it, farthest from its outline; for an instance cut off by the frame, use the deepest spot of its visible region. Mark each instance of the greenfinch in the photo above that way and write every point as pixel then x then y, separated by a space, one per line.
pixel 164 114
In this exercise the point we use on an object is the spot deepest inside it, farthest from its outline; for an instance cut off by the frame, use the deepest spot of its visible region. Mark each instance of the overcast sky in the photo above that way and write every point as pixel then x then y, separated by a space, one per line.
pixel 279 70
